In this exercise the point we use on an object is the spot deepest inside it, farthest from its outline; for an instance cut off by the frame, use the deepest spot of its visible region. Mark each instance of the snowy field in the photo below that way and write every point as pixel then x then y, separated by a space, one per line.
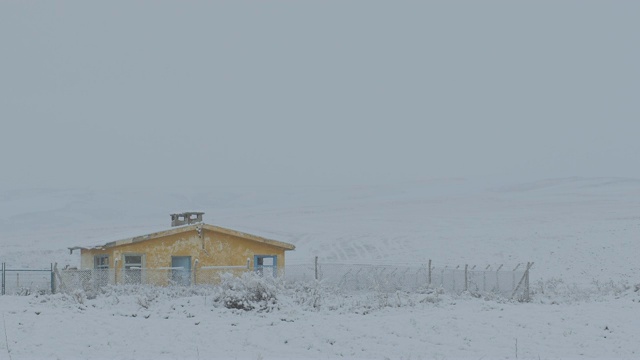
pixel 581 233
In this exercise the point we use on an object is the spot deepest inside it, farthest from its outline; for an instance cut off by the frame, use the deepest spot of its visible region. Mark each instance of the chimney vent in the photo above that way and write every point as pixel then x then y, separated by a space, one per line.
pixel 186 218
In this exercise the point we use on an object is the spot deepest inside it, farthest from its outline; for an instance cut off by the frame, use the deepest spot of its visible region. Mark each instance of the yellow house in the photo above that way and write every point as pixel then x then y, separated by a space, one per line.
pixel 192 252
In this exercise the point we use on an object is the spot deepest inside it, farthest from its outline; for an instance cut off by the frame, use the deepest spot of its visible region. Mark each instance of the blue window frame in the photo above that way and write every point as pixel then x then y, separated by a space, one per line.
pixel 262 264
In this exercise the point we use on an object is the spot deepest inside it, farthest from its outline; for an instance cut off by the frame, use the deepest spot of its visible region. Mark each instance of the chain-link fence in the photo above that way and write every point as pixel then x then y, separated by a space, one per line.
pixel 340 277
pixel 416 278
pixel 88 279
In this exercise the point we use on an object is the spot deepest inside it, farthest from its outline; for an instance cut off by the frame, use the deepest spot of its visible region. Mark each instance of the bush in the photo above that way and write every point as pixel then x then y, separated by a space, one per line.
pixel 247 292
pixel 557 290
pixel 308 294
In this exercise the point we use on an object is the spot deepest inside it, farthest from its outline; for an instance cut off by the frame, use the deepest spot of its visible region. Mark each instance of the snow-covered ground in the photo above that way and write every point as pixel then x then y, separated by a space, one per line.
pixel 190 327
pixel 581 233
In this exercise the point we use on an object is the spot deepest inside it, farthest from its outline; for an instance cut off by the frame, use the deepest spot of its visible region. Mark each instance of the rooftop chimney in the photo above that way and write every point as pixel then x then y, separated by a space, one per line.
pixel 186 218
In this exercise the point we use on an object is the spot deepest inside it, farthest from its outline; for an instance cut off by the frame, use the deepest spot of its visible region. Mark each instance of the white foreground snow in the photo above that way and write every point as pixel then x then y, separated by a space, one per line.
pixel 117 327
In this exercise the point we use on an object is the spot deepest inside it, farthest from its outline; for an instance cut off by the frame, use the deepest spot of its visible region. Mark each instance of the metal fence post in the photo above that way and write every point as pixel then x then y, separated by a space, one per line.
pixel 53 281
pixel 195 271
pixel 429 272
pixel 525 279
pixel 498 278
pixel 526 282
pixel 484 278
pixel 466 277
pixel 3 278
pixel 316 267
pixel 453 278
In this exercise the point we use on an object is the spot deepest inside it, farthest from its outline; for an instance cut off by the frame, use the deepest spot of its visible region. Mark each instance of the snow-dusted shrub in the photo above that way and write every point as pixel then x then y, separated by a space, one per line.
pixel 247 292
pixel 432 296
pixel 308 294
pixel 610 287
pixel 151 292
pixel 78 296
pixel 397 299
pixel 146 299
pixel 557 290
pixel 25 291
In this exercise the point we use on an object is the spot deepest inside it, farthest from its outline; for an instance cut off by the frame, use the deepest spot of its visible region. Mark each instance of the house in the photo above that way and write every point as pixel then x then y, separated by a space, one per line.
pixel 189 252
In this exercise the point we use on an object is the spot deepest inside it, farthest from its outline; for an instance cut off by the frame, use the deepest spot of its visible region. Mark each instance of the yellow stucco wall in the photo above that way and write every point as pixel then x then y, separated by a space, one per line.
pixel 211 248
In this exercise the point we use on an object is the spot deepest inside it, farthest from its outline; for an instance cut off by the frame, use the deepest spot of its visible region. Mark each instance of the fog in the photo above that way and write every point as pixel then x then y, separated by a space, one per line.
pixel 286 94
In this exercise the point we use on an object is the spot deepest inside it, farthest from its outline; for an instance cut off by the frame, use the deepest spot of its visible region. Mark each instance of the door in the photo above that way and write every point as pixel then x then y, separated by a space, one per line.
pixel 266 264
pixel 181 270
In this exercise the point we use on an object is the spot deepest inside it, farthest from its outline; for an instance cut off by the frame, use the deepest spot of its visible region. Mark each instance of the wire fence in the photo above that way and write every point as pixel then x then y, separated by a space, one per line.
pixel 25 281
pixel 93 279
pixel 416 278
pixel 346 278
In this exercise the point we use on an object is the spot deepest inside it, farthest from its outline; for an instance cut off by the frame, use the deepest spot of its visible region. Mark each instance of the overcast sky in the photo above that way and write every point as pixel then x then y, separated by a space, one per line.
pixel 299 93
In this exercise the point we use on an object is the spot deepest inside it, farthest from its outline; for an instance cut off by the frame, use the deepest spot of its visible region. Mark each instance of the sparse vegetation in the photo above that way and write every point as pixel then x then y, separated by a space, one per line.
pixel 247 292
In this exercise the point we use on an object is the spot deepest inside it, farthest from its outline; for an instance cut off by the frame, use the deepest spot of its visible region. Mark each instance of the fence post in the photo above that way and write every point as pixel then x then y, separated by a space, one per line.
pixel 513 276
pixel 429 272
pixel 453 278
pixel 484 278
pixel 53 281
pixel 526 281
pixel 3 267
pixel 498 278
pixel 466 277
pixel 194 271
pixel 59 277
pixel 115 271
pixel 316 267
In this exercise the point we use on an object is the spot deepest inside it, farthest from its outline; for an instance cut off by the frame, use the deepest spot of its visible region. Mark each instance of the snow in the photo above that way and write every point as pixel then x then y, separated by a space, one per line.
pixel 581 234
pixel 191 327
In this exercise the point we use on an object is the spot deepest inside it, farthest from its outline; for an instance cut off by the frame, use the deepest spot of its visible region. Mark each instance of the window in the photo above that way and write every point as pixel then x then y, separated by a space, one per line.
pixel 133 261
pixel 101 262
pixel 133 265
pixel 266 264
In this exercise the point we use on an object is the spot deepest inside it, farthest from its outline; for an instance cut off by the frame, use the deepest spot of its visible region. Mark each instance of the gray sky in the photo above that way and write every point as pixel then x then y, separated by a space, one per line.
pixel 289 93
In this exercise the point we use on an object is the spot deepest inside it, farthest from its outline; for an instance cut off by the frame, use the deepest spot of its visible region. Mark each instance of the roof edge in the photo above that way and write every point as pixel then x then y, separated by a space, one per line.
pixel 244 235
pixel 186 228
